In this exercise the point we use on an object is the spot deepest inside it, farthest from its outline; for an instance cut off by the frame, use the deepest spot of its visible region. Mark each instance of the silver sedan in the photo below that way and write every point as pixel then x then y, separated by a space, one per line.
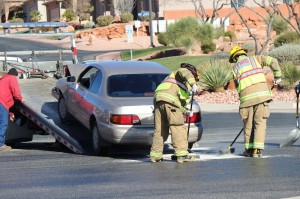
pixel 114 100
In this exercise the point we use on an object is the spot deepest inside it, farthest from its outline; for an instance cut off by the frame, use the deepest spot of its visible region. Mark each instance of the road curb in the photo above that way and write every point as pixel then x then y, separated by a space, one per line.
pixel 274 106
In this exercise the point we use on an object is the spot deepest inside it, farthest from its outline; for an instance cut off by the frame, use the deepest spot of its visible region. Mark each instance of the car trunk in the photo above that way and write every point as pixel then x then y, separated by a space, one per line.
pixel 140 106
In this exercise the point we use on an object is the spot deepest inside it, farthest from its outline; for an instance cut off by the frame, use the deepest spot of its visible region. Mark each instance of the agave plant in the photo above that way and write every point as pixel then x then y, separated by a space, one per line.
pixel 215 75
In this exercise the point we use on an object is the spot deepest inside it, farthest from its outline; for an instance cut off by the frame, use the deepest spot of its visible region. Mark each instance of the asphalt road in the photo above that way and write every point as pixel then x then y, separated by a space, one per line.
pixel 41 169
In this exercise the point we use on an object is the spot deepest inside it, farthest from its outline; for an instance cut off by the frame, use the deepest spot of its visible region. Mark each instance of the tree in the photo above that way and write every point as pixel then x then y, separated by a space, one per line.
pixel 291 6
pixel 272 9
pixel 201 10
pixel 267 19
pixel 201 13
pixel 124 6
pixel 69 14
pixel 83 11
pixel 35 15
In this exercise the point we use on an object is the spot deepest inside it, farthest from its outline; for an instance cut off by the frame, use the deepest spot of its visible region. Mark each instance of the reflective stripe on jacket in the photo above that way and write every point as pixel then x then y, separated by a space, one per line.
pixel 174 88
pixel 247 71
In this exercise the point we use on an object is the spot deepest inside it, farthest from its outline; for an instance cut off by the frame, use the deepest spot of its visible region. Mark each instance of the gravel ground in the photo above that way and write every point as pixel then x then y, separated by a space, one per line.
pixel 231 97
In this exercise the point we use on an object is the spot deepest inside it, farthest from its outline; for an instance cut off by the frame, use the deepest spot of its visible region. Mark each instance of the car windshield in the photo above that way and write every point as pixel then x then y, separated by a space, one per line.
pixel 133 85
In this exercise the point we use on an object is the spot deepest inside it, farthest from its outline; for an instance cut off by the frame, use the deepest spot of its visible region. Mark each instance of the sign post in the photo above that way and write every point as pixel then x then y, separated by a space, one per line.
pixel 129 33
pixel 137 25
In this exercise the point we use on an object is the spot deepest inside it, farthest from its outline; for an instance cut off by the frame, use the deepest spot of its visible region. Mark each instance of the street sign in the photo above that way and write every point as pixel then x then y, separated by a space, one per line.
pixel 143 14
pixel 137 24
pixel 129 32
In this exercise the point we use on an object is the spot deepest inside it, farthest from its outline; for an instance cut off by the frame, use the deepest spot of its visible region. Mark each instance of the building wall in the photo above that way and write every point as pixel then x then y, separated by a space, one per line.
pixel 168 9
pixel 43 10
pixel 54 11
pixel 29 6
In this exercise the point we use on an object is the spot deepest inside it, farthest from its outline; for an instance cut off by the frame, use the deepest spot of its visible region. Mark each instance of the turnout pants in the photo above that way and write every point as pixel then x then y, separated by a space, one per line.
pixel 169 118
pixel 255 125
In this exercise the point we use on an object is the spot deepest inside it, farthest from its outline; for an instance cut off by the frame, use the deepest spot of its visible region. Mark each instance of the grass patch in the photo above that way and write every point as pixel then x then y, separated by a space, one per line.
pixel 173 63
pixel 22 32
pixel 143 52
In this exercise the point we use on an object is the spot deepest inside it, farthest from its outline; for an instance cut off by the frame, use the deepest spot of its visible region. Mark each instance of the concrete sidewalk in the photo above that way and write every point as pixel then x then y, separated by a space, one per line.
pixel 274 107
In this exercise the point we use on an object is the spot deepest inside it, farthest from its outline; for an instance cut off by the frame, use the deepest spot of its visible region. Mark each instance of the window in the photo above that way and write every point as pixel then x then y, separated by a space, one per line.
pixel 96 83
pixel 87 77
pixel 238 3
pixel 134 85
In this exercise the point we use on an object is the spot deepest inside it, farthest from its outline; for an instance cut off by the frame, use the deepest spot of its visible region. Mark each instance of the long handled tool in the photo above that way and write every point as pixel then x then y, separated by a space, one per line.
pixel 173 157
pixel 189 118
pixel 294 135
pixel 229 148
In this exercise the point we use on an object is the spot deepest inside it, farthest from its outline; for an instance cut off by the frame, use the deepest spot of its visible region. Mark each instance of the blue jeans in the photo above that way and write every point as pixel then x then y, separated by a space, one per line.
pixel 3 123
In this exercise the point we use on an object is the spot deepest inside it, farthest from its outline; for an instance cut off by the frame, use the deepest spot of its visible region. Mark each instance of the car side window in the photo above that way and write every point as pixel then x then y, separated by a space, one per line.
pixel 87 78
pixel 96 83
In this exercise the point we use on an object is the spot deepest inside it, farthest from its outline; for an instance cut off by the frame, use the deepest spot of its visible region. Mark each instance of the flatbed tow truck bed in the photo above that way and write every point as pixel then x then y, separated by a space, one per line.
pixel 41 108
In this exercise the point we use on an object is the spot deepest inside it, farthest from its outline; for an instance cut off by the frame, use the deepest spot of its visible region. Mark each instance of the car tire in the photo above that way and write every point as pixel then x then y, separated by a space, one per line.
pixel 63 112
pixel 99 146
pixel 190 145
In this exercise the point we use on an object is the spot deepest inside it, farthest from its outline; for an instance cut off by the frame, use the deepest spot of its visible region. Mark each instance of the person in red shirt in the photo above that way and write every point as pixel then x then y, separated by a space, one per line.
pixel 9 92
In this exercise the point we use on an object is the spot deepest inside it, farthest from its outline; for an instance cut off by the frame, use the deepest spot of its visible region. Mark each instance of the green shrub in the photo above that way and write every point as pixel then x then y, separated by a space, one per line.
pixel 182 29
pixel 230 34
pixel 85 17
pixel 147 18
pixel 188 44
pixel 69 14
pixel 220 55
pixel 219 32
pixel 205 34
pixel 89 24
pixel 16 20
pixel 279 24
pixel 214 76
pixel 208 46
pixel 104 20
pixel 249 45
pixel 163 39
pixel 288 52
pixel 290 74
pixel 126 17
pixel 286 38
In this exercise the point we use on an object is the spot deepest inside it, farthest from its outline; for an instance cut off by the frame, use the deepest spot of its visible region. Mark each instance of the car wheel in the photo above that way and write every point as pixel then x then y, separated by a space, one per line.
pixel 190 145
pixel 98 145
pixel 63 112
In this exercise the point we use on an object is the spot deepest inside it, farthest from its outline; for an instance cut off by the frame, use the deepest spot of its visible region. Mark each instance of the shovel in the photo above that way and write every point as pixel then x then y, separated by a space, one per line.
pixel 294 135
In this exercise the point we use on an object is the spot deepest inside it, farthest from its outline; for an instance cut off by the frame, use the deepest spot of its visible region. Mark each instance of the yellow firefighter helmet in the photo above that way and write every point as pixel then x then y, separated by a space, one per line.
pixel 236 50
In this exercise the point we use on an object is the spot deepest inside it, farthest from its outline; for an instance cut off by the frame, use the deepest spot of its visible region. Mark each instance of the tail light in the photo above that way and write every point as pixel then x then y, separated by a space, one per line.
pixel 195 118
pixel 125 119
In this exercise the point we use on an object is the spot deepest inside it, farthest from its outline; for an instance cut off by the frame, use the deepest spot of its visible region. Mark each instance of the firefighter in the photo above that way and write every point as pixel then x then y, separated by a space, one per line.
pixel 170 99
pixel 254 94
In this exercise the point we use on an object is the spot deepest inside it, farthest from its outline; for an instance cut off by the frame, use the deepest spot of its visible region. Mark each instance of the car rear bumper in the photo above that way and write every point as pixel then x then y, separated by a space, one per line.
pixel 144 136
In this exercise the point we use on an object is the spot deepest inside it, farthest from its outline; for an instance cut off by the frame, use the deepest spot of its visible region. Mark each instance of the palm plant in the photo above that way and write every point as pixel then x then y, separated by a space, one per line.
pixel 35 16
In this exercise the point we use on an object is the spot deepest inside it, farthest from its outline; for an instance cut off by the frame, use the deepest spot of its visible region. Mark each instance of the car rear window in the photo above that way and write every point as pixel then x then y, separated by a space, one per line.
pixel 134 85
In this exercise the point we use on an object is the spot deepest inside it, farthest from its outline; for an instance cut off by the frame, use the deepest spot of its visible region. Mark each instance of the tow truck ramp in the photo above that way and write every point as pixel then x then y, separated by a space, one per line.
pixel 49 127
